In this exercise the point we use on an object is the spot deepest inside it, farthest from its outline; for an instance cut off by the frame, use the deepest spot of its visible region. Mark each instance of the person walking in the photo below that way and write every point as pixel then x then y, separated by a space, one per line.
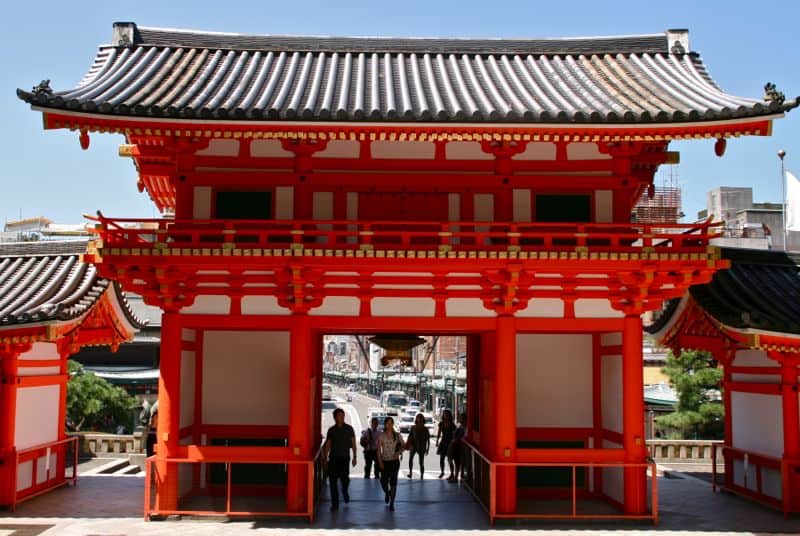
pixel 340 439
pixel 456 448
pixel 419 442
pixel 390 452
pixel 443 438
pixel 369 441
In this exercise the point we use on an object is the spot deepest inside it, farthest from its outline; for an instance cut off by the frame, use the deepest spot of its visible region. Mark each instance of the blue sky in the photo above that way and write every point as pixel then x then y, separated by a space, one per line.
pixel 744 44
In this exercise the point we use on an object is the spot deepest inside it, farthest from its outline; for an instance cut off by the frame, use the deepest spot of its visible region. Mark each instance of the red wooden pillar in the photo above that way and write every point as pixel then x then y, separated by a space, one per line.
pixel 473 383
pixel 791 434
pixel 505 402
pixel 169 412
pixel 633 414
pixel 61 459
pixel 301 410
pixel 8 419
pixel 727 378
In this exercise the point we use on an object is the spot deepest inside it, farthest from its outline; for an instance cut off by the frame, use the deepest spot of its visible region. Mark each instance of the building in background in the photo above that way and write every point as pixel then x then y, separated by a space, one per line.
pixel 747 224
pixel 41 228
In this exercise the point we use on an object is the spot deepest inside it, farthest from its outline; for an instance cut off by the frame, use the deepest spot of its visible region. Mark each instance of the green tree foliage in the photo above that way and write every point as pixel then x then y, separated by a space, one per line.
pixel 95 404
pixel 699 413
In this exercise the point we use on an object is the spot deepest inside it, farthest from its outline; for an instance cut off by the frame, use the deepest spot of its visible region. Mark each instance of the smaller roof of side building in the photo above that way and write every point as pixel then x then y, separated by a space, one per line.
pixel 759 293
pixel 184 74
pixel 46 282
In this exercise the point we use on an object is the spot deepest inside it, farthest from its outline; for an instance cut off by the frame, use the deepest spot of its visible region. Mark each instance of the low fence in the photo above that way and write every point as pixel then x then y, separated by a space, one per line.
pixel 684 450
pixel 42 468
pixel 98 444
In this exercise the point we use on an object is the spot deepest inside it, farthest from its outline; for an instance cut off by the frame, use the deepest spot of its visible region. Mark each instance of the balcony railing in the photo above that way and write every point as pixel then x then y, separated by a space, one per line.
pixel 447 237
pixel 56 457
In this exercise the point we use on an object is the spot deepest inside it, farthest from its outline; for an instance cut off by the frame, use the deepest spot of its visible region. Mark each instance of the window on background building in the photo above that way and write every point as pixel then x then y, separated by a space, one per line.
pixel 237 205
pixel 563 208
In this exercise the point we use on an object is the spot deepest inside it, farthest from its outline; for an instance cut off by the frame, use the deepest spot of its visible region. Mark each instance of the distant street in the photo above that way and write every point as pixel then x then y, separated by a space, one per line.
pixel 356 414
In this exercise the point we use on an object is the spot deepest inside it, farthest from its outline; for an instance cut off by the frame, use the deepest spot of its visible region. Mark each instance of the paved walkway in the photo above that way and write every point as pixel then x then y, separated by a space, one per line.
pixel 110 505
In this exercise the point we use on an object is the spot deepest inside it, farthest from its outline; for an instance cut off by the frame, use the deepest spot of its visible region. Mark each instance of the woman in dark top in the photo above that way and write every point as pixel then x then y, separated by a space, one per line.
pixel 419 441
pixel 443 438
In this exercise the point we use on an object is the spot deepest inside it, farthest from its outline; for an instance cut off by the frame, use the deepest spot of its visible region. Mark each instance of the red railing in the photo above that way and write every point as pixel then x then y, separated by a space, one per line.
pixel 754 490
pixel 420 235
pixel 315 475
pixel 481 477
pixel 53 476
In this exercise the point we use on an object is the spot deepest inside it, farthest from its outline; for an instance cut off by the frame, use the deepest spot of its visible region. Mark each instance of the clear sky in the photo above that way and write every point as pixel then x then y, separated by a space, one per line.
pixel 744 44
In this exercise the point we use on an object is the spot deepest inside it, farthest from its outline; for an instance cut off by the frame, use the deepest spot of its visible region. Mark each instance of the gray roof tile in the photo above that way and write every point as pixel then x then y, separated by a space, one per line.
pixel 47 281
pixel 200 75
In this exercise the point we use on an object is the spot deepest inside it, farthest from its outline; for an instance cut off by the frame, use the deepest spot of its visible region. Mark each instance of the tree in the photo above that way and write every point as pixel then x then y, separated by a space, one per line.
pixel 696 377
pixel 95 404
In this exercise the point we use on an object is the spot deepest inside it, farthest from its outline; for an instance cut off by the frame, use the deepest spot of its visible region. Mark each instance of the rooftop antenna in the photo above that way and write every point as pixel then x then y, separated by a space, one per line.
pixel 782 155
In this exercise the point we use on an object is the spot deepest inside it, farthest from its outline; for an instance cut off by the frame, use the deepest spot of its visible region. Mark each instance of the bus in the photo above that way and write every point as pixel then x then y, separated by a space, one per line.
pixel 393 401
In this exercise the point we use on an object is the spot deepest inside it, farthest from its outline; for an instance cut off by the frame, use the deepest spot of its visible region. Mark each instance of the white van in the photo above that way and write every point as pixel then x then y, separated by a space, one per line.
pixel 327 391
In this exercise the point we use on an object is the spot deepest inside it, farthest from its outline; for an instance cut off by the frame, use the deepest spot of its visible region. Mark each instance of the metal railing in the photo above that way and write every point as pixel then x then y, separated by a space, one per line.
pixel 754 491
pixel 64 449
pixel 419 235
pixel 315 475
pixel 481 477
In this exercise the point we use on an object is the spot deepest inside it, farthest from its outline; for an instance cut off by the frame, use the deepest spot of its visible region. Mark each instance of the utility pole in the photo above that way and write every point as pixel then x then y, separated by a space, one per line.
pixel 782 155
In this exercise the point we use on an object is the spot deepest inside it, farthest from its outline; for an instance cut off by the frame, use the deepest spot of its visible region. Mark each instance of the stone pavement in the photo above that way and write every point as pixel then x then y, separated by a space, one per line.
pixel 111 505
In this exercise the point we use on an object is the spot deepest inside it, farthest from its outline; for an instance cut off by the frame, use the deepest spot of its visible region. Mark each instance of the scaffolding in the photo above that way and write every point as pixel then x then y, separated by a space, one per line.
pixel 662 203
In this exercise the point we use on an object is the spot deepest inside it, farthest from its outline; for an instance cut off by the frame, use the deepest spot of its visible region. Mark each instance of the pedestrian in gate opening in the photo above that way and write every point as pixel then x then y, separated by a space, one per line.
pixel 390 452
pixel 456 448
pixel 419 442
pixel 369 441
pixel 443 438
pixel 341 438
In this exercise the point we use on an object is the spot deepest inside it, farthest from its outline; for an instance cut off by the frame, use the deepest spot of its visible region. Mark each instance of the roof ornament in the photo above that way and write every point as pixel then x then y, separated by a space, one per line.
pixel 42 88
pixel 771 93
pixel 678 49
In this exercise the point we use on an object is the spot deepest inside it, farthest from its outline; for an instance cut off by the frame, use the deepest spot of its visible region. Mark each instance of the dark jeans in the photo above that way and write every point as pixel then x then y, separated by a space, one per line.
pixel 370 461
pixel 339 469
pixel 389 478
pixel 421 456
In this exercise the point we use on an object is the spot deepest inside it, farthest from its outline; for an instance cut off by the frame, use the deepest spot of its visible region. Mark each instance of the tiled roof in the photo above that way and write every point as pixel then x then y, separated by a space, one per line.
pixel 761 290
pixel 46 281
pixel 200 75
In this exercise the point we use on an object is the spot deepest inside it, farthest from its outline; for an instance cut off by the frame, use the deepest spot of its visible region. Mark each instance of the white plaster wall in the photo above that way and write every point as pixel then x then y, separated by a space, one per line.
pixel 24 475
pixel 537 150
pixel 611 392
pixel 753 358
pixel 770 479
pixel 245 377
pixel 42 351
pixel 323 205
pixel 585 151
pixel 611 339
pixel 554 380
pixel 352 205
pixel 454 207
pixel 522 205
pixel 284 202
pixel 403 307
pixel 423 150
pixel 461 307
pixel 757 421
pixel 262 305
pixel 201 203
pixel 188 335
pixel 221 147
pixel 595 308
pixel 337 306
pixel 465 150
pixel 543 308
pixel 209 304
pixel 603 206
pixel 45 466
pixel 756 378
pixel 613 477
pixel 38 371
pixel 187 388
pixel 340 149
pixel 37 415
pixel 484 207
pixel 268 148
